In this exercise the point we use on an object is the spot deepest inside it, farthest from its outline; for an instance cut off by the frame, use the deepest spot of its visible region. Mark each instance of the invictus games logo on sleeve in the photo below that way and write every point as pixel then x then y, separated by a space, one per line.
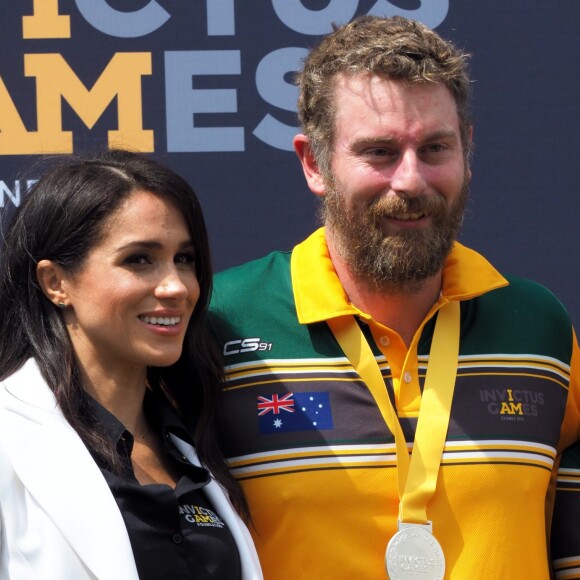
pixel 512 404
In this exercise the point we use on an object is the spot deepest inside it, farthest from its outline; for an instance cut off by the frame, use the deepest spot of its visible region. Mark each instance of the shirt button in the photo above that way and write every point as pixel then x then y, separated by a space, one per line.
pixel 385 340
pixel 407 377
pixel 177 538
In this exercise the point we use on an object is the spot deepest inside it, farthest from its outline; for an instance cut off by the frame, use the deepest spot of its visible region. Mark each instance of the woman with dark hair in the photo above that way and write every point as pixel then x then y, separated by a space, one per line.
pixel 109 463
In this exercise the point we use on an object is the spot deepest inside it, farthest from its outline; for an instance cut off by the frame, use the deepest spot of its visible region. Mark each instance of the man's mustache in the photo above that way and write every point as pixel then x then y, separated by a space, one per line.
pixel 424 205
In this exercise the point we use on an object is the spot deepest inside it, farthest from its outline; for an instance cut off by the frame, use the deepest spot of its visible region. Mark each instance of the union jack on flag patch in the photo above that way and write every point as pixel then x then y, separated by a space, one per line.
pixel 276 404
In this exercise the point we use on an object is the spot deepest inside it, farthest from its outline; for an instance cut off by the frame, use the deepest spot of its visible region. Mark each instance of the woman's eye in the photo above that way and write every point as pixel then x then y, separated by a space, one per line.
pixel 185 258
pixel 137 259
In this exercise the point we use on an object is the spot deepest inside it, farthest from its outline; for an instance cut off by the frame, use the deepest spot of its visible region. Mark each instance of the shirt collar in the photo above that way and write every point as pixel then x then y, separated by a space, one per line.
pixel 466 274
pixel 159 412
pixel 163 420
pixel 113 429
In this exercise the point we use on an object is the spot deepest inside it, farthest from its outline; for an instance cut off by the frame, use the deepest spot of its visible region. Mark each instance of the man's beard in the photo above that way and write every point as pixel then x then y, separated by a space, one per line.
pixel 399 261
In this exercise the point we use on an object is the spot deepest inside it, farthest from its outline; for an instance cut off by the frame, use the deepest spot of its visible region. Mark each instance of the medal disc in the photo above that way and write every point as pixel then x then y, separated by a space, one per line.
pixel 414 553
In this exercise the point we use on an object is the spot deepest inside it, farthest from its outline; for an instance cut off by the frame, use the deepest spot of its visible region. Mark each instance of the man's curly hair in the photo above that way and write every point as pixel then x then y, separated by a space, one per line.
pixel 394 48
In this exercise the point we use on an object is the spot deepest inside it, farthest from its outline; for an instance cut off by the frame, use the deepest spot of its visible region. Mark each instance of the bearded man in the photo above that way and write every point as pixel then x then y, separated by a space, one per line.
pixel 394 406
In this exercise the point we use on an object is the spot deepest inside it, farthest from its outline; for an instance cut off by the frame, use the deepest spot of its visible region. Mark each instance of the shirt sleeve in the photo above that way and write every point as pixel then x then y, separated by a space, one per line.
pixel 565 535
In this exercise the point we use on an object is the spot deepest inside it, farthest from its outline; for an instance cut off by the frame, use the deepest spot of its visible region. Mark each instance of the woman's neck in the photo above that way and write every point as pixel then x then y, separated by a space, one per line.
pixel 121 394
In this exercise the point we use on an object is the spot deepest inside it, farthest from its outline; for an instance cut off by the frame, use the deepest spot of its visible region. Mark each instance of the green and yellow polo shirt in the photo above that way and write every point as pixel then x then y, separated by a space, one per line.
pixel 305 438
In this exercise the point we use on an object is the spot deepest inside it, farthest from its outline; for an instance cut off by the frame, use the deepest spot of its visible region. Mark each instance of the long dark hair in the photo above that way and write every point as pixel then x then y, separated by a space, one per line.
pixel 62 220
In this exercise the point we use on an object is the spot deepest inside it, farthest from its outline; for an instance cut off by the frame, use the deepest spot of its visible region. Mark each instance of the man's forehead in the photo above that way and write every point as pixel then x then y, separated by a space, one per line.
pixel 366 95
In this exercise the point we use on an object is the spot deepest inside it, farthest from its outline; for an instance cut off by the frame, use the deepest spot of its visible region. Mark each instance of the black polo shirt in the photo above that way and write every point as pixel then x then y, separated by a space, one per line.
pixel 175 533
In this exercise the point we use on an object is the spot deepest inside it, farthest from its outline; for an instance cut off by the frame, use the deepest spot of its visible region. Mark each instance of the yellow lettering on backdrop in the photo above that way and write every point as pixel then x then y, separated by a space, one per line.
pixel 121 78
pixel 45 21
pixel 14 138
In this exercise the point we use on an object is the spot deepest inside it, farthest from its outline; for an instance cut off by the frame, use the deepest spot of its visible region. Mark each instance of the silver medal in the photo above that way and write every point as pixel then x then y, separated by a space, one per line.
pixel 414 553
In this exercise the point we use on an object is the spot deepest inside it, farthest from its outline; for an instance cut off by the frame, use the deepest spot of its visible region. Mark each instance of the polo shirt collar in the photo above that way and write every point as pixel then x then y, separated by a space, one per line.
pixel 319 295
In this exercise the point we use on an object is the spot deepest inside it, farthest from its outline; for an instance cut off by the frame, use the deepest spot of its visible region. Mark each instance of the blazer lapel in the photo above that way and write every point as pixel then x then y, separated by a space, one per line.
pixel 58 471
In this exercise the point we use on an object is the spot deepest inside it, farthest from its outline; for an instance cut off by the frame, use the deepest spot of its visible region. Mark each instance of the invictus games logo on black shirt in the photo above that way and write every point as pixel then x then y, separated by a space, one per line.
pixel 201 516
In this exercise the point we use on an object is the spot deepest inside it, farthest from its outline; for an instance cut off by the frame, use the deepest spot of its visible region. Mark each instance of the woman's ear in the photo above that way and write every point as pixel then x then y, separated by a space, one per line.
pixel 314 177
pixel 50 278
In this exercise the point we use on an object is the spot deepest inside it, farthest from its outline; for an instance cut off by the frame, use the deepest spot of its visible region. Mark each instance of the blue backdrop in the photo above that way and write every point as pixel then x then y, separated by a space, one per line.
pixel 206 87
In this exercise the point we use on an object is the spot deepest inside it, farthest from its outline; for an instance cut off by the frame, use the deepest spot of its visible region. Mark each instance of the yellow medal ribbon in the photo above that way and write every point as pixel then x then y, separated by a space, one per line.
pixel 417 474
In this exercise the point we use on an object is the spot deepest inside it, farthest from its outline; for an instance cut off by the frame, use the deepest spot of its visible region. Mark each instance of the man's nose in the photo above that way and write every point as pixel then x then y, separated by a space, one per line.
pixel 407 178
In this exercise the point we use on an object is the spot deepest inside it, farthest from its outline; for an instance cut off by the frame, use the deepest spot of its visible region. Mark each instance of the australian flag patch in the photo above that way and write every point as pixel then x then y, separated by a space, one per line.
pixel 282 413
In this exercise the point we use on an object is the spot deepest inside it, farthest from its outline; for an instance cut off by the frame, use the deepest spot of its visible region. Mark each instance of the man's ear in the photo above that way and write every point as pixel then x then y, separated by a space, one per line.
pixel 314 177
pixel 50 277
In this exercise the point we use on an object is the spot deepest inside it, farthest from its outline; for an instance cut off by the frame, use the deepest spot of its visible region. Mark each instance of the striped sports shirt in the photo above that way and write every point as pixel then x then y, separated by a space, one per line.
pixel 305 438
pixel 566 523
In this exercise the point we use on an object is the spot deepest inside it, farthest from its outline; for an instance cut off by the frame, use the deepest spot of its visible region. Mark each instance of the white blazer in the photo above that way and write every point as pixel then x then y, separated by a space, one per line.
pixel 58 517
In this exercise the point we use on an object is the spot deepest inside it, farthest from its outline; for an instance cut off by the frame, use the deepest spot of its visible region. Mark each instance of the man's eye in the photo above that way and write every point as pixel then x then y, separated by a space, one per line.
pixel 374 153
pixel 435 148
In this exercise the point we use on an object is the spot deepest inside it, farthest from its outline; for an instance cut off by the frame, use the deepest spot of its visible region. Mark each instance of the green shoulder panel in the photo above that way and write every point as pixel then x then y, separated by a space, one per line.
pixel 254 316
pixel 254 302
pixel 521 318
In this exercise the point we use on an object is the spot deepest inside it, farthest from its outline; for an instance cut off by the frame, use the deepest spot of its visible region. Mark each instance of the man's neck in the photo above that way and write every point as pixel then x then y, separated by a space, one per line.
pixel 400 309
